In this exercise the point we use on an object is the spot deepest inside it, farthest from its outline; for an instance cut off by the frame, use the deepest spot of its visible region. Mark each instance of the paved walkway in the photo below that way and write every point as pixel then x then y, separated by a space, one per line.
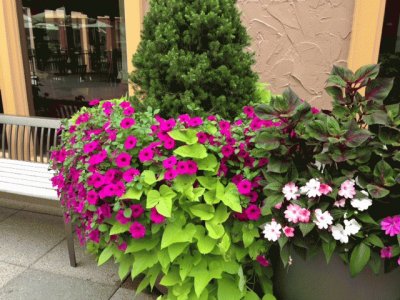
pixel 34 261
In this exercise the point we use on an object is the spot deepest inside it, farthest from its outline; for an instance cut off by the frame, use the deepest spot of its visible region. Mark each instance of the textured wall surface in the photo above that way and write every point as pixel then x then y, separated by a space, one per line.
pixel 296 42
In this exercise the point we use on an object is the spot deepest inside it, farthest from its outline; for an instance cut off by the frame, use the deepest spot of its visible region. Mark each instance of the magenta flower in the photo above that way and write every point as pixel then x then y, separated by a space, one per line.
pixel 127 123
pixel 169 143
pixel 137 230
pixel 191 167
pixel 249 111
pixel 94 102
pixel 130 142
pixel 125 104
pixel 224 125
pixel 237 178
pixel 123 246
pixel 202 137
pixel 98 158
pixel 182 168
pixel 184 118
pixel 137 210
pixel 97 180
pixel 227 150
pixel 170 174
pixel 253 196
pixel 167 125
pixel 130 174
pixel 195 122
pixel 155 217
pixel 94 236
pixel 83 118
pixel 386 252
pixel 314 110
pixel 146 154
pixel 92 197
pixel 129 111
pixel 244 187
pixel 324 189
pixel 391 225
pixel 212 118
pixel 121 218
pixel 123 160
pixel 90 147
pixel 288 231
pixel 263 261
pixel 253 212
pixel 241 216
pixel 169 162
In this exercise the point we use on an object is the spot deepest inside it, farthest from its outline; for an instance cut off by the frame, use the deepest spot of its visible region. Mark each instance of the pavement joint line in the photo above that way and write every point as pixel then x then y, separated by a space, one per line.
pixel 6 218
pixel 58 243
pixel 13 264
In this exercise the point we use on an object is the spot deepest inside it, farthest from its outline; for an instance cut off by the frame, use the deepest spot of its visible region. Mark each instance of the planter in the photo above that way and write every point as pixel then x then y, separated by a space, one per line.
pixel 315 280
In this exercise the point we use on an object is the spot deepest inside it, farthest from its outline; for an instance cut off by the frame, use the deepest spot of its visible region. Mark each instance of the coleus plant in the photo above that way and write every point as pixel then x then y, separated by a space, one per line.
pixel 174 200
pixel 355 147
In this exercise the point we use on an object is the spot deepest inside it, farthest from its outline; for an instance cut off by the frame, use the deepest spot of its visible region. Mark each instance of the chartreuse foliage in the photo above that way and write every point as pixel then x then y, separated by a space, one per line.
pixel 192 53
pixel 359 139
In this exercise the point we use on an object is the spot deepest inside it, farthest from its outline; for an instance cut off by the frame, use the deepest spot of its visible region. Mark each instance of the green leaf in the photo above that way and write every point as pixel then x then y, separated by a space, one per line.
pixel 378 89
pixel 124 266
pixel 328 248
pixel 277 166
pixel 333 126
pixel 367 72
pixel 171 278
pixel 132 193
pixel 374 240
pixel 335 92
pixel 205 244
pixel 106 254
pixel 176 249
pixel 366 218
pixel 384 173
pixel 231 198
pixel 192 151
pixel 269 297
pixel 249 234
pixel 153 197
pixel 147 243
pixel 209 163
pixel 375 263
pixel 203 211
pixel 188 136
pixel 208 182
pixel 149 177
pixel 225 243
pixel 167 192
pixel 143 260
pixel 376 117
pixel 335 80
pixel 306 228
pixel 359 258
pixel 377 191
pixel 215 230
pixel 175 234
pixel 119 228
pixel 355 137
pixel 164 207
pixel 317 130
pixel 228 290
pixel 343 72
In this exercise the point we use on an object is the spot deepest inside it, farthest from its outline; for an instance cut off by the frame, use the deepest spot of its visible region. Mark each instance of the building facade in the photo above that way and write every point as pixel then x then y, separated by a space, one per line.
pixel 58 54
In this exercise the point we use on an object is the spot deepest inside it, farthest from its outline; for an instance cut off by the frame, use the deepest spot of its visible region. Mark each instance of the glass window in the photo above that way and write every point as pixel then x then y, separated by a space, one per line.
pixel 77 52
pixel 389 55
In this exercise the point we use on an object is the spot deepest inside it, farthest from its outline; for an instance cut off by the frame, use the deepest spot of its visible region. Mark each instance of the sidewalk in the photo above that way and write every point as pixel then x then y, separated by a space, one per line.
pixel 34 261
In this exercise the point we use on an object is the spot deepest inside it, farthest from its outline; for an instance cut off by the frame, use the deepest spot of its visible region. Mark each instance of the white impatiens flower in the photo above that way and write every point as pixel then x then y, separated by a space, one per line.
pixel 290 190
pixel 322 219
pixel 312 188
pixel 339 233
pixel 272 231
pixel 362 203
pixel 351 227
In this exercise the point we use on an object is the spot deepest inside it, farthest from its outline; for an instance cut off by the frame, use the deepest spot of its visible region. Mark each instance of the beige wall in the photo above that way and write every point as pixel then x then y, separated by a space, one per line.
pixel 297 41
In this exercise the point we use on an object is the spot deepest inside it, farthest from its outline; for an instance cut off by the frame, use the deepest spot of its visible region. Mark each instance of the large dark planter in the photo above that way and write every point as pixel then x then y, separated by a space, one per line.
pixel 315 280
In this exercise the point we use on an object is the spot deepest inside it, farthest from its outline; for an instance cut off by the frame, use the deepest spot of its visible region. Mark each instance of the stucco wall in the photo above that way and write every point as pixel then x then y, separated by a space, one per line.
pixel 296 42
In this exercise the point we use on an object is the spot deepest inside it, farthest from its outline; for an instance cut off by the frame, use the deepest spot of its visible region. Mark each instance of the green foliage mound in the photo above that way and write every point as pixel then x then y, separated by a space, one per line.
pixel 192 53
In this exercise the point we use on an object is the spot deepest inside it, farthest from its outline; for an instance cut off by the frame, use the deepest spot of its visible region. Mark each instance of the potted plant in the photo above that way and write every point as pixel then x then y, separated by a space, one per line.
pixel 332 185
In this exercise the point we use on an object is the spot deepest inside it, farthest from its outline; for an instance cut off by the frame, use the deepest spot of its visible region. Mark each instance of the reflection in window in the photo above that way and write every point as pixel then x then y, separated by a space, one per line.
pixel 77 52
pixel 389 56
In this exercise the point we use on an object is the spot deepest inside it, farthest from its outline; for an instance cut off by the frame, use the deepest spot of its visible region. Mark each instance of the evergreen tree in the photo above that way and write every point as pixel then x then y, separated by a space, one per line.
pixel 192 52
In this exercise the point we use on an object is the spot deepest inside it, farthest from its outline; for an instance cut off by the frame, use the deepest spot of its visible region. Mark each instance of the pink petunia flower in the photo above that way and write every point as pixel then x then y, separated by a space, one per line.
pixel 315 110
pixel 386 252
pixel 288 231
pixel 253 212
pixel 90 147
pixel 191 167
pixel 244 187
pixel 169 162
pixel 129 111
pixel 121 218
pixel 391 225
pixel 263 261
pixel 169 143
pixel 170 174
pixel 249 111
pixel 94 102
pixel 92 197
pixel 182 167
pixel 123 246
pixel 202 137
pixel 127 123
pixel 137 230
pixel 130 142
pixel 237 178
pixel 146 154
pixel 125 104
pixel 227 150
pixel 123 160
pixel 347 189
pixel 137 210
pixel 130 174
pixel 195 122
pixel 155 217
pixel 94 236
pixel 212 118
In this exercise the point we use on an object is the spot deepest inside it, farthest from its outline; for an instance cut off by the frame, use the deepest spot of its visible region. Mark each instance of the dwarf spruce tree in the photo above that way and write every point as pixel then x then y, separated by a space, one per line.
pixel 193 53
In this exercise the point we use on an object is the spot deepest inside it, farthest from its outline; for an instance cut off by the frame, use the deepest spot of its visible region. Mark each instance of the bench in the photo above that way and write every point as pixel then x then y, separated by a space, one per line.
pixel 24 154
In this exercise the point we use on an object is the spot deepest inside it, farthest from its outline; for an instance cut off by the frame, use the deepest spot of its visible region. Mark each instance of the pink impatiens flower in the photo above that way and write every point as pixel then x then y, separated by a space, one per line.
pixel 347 189
pixel 288 231
pixel 137 230
pixel 130 142
pixel 325 189
pixel 263 261
pixel 123 160
pixel 155 217
pixel 127 123
pixel 244 187
pixel 391 225
pixel 340 203
pixel 386 252
pixel 253 212
pixel 290 190
pixel 292 213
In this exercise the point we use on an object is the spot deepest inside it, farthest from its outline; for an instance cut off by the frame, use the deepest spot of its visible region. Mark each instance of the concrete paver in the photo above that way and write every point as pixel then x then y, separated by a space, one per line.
pixel 8 272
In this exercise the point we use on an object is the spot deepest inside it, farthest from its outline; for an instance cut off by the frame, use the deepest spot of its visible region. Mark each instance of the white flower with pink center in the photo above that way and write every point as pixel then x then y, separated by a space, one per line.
pixel 322 219
pixel 290 190
pixel 292 213
pixel 325 189
pixel 340 203
pixel 363 203
pixel 272 231
pixel 312 188
pixel 347 189
pixel 339 233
